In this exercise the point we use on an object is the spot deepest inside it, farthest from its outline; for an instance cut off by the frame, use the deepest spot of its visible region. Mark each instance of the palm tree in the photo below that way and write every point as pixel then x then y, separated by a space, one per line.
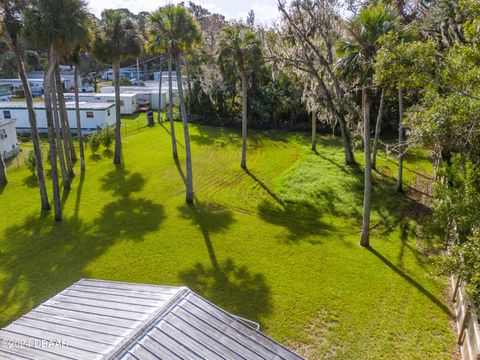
pixel 238 45
pixel 117 39
pixel 357 54
pixel 181 33
pixel 159 42
pixel 12 24
pixel 65 136
pixel 56 25
pixel 70 153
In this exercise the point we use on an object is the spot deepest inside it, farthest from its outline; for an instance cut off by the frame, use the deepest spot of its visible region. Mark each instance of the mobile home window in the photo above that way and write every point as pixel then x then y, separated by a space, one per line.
pixel 108 112
pixel 89 114
pixel 121 102
pixel 7 114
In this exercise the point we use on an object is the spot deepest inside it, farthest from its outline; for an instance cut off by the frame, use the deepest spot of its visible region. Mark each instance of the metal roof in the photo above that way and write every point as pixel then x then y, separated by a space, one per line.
pixel 124 94
pixel 70 105
pixel 4 122
pixel 97 319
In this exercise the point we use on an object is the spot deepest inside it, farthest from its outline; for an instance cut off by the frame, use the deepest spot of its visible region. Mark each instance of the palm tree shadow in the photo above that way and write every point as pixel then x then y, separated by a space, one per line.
pixel 180 170
pixel 79 194
pixel 30 181
pixel 225 283
pixel 412 282
pixel 265 187
pixel 64 250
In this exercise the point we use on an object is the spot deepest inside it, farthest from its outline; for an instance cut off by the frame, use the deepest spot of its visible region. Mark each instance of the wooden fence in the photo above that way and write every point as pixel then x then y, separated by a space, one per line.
pixel 468 328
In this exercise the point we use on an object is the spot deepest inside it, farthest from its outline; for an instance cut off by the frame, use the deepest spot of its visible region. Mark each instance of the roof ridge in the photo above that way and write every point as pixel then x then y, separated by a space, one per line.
pixel 124 346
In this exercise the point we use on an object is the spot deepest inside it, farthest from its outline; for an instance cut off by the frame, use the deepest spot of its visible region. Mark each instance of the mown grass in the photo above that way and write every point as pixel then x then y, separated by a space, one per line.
pixel 277 244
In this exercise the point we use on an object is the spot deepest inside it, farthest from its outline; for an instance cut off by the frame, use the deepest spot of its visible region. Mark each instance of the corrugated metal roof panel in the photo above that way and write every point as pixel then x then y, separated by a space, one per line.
pixel 88 320
pixel 94 319
pixel 194 328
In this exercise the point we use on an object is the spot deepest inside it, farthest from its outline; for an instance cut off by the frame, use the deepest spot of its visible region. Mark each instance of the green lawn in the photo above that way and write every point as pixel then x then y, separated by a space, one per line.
pixel 277 244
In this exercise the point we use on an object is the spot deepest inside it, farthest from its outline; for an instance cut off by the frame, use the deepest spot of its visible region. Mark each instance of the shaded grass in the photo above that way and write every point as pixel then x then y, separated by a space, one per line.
pixel 276 244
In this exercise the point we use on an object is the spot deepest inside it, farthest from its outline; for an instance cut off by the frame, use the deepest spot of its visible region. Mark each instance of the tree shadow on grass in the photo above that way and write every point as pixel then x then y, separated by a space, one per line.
pixel 40 257
pixel 226 284
pixel 412 282
pixel 301 220
pixel 30 181
pixel 231 287
pixel 265 188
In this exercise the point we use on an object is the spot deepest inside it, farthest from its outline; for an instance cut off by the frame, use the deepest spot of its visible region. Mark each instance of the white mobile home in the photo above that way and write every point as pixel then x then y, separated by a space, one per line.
pixel 144 93
pixel 93 116
pixel 128 101
pixel 8 138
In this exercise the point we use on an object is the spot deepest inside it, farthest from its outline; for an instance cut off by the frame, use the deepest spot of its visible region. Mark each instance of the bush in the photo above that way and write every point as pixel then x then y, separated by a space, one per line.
pixel 94 142
pixel 31 162
pixel 108 135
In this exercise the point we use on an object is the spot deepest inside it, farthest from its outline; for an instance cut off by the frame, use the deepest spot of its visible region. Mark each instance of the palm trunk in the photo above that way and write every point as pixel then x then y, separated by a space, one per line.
pixel 400 141
pixel 314 131
pixel 58 136
pixel 79 123
pixel 188 155
pixel 170 107
pixel 117 157
pixel 189 87
pixel 57 204
pixel 378 127
pixel 243 164
pixel 71 146
pixel 160 94
pixel 367 196
pixel 32 118
pixel 66 134
pixel 3 172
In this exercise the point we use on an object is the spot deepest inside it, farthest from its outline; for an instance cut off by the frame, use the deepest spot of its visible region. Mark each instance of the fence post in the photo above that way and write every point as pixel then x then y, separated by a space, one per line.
pixel 463 326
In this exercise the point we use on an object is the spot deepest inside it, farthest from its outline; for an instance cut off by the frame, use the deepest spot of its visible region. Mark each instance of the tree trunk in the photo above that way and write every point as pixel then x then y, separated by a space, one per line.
pixel 367 196
pixel 243 164
pixel 188 155
pixel 58 134
pixel 314 131
pixel 57 204
pixel 400 141
pixel 138 73
pixel 61 99
pixel 378 127
pixel 3 172
pixel 189 87
pixel 79 123
pixel 170 107
pixel 117 157
pixel 160 94
pixel 32 118
pixel 66 133
pixel 346 138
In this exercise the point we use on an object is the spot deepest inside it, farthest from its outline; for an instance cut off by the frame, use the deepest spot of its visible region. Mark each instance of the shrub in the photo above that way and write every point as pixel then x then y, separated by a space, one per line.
pixel 31 162
pixel 108 136
pixel 94 142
